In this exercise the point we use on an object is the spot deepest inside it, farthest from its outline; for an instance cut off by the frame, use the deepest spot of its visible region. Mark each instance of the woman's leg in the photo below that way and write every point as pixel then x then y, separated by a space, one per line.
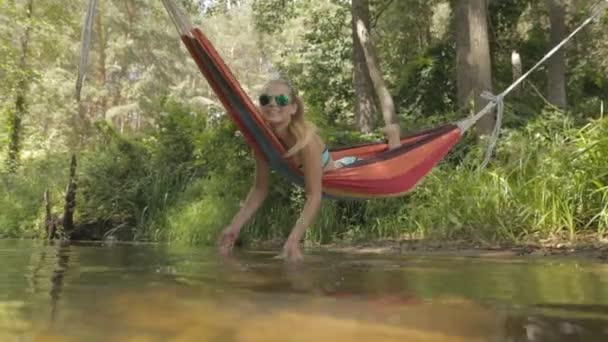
pixel 392 133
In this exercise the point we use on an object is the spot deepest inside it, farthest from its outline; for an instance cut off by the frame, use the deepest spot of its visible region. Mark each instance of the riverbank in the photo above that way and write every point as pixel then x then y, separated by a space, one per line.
pixel 534 189
pixel 587 247
pixel 593 251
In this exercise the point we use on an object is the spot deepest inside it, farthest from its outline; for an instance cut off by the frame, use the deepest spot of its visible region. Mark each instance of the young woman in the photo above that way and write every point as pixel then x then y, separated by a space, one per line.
pixel 284 112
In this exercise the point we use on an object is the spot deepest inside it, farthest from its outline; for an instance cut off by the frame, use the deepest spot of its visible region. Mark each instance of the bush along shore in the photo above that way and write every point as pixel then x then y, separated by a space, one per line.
pixel 546 186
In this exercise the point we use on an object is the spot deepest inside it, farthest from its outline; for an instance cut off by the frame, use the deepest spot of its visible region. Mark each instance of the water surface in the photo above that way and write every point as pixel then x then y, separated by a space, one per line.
pixel 148 292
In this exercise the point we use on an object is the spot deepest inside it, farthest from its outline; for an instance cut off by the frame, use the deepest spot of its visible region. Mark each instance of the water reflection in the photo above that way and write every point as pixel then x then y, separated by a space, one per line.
pixel 50 264
pixel 320 279
pixel 62 258
pixel 559 323
pixel 91 292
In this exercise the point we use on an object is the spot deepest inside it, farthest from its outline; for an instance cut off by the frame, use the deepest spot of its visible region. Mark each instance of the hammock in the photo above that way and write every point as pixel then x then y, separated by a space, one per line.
pixel 379 173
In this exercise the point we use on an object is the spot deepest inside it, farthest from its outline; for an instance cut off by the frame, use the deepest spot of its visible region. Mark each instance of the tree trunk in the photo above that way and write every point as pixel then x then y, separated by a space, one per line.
pixel 473 59
pixel 17 115
pixel 556 86
pixel 386 100
pixel 14 121
pixel 49 219
pixel 464 77
pixel 364 92
pixel 70 200
pixel 517 70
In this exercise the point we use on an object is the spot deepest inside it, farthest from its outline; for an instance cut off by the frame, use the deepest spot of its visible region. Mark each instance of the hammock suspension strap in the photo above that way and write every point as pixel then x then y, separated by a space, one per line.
pixel 87 31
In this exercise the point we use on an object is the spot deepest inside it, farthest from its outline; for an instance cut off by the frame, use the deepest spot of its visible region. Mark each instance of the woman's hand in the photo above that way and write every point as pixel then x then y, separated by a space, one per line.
pixel 252 203
pixel 227 239
pixel 291 251
pixel 313 174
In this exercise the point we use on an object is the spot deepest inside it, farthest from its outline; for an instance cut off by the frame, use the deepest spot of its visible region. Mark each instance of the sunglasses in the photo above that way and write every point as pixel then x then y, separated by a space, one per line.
pixel 281 100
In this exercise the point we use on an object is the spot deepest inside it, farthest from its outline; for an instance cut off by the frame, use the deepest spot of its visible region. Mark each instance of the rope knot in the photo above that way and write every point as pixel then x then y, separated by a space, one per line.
pixel 491 97
pixel 500 107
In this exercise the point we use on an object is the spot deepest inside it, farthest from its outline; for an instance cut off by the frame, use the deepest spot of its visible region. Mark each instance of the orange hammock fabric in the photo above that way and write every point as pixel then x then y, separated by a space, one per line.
pixel 380 172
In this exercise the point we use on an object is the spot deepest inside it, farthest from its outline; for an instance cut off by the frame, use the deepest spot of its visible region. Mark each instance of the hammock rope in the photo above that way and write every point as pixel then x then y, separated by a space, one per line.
pixel 498 100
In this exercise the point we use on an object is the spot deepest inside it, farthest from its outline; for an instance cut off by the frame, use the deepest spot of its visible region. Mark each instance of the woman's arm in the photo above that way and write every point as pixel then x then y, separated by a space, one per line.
pixel 313 175
pixel 252 203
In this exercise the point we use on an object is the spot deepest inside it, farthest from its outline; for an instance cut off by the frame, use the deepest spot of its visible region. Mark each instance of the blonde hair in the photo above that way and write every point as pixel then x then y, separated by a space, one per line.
pixel 299 127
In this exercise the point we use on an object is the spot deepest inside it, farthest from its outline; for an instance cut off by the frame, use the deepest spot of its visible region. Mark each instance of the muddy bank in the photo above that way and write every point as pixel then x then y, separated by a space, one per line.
pixel 589 247
pixel 595 250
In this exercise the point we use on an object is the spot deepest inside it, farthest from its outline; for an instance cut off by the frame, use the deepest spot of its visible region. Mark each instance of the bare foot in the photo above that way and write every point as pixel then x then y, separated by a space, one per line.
pixel 392 133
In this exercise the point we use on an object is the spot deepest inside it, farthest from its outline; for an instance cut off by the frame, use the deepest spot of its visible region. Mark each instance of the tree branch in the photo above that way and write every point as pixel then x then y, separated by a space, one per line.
pixel 384 7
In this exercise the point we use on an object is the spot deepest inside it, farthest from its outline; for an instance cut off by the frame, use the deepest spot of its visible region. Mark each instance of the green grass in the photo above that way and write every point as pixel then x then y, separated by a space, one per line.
pixel 547 180
pixel 543 183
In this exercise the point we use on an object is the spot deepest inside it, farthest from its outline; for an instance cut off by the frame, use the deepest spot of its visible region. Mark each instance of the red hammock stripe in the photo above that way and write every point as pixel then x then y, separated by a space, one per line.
pixel 401 164
pixel 383 178
pixel 380 174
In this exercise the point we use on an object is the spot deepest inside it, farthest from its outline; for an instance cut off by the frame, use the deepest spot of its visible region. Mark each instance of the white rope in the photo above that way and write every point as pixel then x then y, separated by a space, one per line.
pixel 87 31
pixel 500 108
pixel 180 19
pixel 596 10
pixel 466 123
pixel 498 100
